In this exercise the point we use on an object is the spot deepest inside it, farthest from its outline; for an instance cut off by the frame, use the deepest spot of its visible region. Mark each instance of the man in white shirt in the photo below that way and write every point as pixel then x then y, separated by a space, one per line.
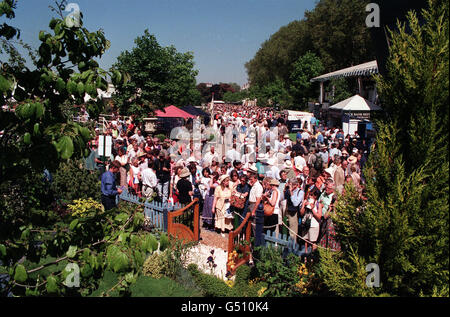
pixel 233 154
pixel 149 180
pixel 334 150
pixel 210 156
pixel 272 170
pixel 299 162
pixel 256 191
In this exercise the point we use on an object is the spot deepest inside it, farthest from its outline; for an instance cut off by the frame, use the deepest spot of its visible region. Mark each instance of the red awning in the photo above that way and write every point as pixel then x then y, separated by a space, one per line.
pixel 173 112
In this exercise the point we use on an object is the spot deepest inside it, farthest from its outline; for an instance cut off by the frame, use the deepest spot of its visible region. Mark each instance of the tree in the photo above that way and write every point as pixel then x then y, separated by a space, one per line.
pixel 276 55
pixel 404 224
pixel 157 77
pixel 37 134
pixel 335 31
pixel 306 67
pixel 339 35
pixel 340 89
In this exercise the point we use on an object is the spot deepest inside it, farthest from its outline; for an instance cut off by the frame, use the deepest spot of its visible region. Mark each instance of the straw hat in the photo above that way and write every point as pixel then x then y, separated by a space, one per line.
pixel 252 169
pixel 185 173
pixel 352 159
pixel 329 170
pixel 286 136
pixel 273 181
pixel 222 178
pixel 287 165
pixel 191 160
pixel 262 156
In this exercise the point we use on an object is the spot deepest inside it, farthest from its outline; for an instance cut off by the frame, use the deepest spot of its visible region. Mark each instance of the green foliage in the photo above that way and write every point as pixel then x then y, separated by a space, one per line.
pixel 107 246
pixel 306 67
pixel 41 92
pixel 404 224
pixel 341 89
pixel 344 275
pixel 334 31
pixel 153 266
pixel 162 287
pixel 161 137
pixel 210 285
pixel 174 257
pixel 72 181
pixel 157 76
pixel 278 273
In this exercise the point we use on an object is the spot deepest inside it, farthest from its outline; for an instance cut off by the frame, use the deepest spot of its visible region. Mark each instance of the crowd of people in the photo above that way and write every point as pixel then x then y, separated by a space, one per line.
pixel 245 160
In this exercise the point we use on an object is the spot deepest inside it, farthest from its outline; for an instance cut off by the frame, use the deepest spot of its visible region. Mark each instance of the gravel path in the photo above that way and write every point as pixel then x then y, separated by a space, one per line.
pixel 200 253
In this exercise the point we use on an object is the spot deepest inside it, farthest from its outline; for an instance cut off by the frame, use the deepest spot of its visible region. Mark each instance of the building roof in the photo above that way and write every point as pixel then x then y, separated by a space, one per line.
pixel 173 112
pixel 365 69
pixel 355 103
pixel 194 111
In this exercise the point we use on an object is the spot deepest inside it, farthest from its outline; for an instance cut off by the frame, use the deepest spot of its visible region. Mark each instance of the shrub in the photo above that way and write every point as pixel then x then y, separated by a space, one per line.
pixel 280 274
pixel 161 137
pixel 71 181
pixel 164 287
pixel 242 286
pixel 153 266
pixel 210 285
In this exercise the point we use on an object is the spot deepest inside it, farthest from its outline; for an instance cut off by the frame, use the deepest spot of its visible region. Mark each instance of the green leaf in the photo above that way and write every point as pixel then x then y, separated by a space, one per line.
pixel 27 138
pixel 2 249
pixel 72 251
pixel 20 274
pixel 73 224
pixel 39 109
pixel 52 284
pixel 130 278
pixel 65 147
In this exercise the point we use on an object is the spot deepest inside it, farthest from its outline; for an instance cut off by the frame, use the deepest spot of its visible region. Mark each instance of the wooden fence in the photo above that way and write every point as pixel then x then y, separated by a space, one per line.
pixel 285 242
pixel 170 218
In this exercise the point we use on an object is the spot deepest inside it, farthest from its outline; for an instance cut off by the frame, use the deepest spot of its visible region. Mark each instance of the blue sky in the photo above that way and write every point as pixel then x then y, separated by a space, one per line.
pixel 223 35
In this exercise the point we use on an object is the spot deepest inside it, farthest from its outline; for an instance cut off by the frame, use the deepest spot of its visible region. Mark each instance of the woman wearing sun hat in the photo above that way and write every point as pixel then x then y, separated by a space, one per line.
pixel 221 205
pixel 184 187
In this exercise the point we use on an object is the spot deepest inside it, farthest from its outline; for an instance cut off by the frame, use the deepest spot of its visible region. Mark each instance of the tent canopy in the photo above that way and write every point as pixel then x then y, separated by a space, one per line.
pixel 173 112
pixel 355 103
pixel 365 69
pixel 194 111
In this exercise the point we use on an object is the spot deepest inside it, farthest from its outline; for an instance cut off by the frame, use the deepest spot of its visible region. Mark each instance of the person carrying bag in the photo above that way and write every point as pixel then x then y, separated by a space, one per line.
pixel 294 196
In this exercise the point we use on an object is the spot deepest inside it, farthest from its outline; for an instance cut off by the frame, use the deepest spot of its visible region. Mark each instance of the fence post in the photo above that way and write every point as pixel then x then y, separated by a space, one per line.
pixel 259 224
pixel 165 217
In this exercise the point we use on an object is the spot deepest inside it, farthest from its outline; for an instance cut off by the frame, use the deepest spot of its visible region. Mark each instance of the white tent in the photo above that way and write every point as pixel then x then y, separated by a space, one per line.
pixel 298 115
pixel 355 104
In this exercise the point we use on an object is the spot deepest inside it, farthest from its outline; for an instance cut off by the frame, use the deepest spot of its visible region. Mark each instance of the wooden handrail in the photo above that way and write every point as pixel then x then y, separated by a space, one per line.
pixel 172 214
pixel 236 232
pixel 245 249
pixel 180 211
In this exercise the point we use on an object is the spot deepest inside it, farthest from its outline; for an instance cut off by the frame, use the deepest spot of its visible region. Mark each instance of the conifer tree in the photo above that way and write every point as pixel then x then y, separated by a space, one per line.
pixel 404 224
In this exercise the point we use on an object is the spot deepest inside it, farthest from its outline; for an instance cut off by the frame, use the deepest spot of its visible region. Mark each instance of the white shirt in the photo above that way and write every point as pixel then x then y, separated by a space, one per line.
pixel 305 136
pixel 148 177
pixel 276 210
pixel 233 155
pixel 273 172
pixel 255 192
pixel 299 162
pixel 209 157
pixel 335 151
